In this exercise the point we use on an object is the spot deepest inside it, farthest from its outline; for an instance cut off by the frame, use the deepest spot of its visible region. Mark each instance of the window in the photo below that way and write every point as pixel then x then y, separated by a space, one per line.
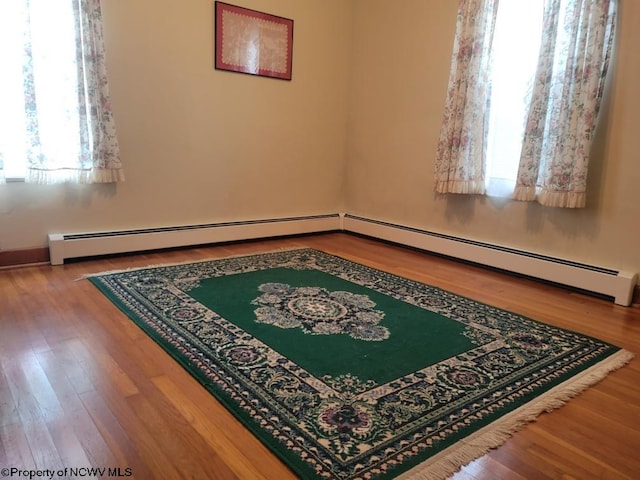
pixel 516 44
pixel 524 93
pixel 55 122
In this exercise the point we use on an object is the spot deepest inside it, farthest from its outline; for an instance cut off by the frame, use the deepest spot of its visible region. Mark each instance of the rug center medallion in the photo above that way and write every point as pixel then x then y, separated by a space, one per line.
pixel 317 308
pixel 318 311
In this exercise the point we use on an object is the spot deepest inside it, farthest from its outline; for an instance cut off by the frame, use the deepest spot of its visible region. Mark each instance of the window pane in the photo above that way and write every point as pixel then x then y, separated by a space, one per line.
pixel 54 64
pixel 46 29
pixel 516 46
pixel 12 120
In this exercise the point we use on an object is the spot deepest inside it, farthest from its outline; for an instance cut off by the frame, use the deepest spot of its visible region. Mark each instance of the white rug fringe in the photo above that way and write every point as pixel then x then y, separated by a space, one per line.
pixel 449 461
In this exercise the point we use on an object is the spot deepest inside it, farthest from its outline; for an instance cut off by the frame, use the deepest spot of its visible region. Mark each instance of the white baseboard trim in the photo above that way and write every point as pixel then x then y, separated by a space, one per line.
pixel 619 285
pixel 64 246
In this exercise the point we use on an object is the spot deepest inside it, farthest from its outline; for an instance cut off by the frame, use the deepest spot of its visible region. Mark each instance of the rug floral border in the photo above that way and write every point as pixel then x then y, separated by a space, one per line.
pixel 391 428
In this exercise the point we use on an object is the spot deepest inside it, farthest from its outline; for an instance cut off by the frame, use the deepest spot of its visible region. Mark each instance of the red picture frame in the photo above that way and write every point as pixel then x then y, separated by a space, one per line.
pixel 252 42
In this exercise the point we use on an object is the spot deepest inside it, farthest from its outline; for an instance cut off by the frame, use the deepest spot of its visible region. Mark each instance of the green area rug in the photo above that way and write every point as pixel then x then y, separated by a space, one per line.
pixel 347 372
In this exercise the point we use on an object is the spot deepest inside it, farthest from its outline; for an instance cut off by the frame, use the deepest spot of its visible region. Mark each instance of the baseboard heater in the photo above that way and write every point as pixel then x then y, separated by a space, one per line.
pixel 77 245
pixel 613 283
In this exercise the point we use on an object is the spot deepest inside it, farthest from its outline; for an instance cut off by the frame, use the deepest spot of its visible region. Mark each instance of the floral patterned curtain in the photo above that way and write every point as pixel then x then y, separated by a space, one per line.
pixel 460 162
pixel 56 113
pixel 576 47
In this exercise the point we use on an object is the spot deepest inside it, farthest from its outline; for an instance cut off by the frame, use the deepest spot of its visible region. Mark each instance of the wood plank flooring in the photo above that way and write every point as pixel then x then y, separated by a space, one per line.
pixel 81 385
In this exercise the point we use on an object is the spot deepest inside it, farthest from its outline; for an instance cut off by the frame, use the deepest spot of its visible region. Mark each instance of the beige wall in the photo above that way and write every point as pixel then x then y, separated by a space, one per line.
pixel 201 145
pixel 398 87
pixel 355 130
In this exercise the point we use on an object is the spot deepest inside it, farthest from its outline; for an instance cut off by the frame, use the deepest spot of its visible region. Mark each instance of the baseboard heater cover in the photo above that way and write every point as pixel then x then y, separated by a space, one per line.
pixel 78 245
pixel 613 283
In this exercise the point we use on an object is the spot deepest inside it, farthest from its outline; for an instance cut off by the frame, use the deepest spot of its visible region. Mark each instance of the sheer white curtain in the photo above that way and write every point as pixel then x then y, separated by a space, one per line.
pixel 460 161
pixel 56 123
pixel 572 68
pixel 548 143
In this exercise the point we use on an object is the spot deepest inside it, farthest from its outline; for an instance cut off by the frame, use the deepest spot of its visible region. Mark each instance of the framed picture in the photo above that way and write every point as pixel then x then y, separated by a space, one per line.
pixel 252 42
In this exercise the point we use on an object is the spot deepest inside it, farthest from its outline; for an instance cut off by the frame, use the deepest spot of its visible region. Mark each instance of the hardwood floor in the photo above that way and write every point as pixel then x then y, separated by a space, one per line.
pixel 81 385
